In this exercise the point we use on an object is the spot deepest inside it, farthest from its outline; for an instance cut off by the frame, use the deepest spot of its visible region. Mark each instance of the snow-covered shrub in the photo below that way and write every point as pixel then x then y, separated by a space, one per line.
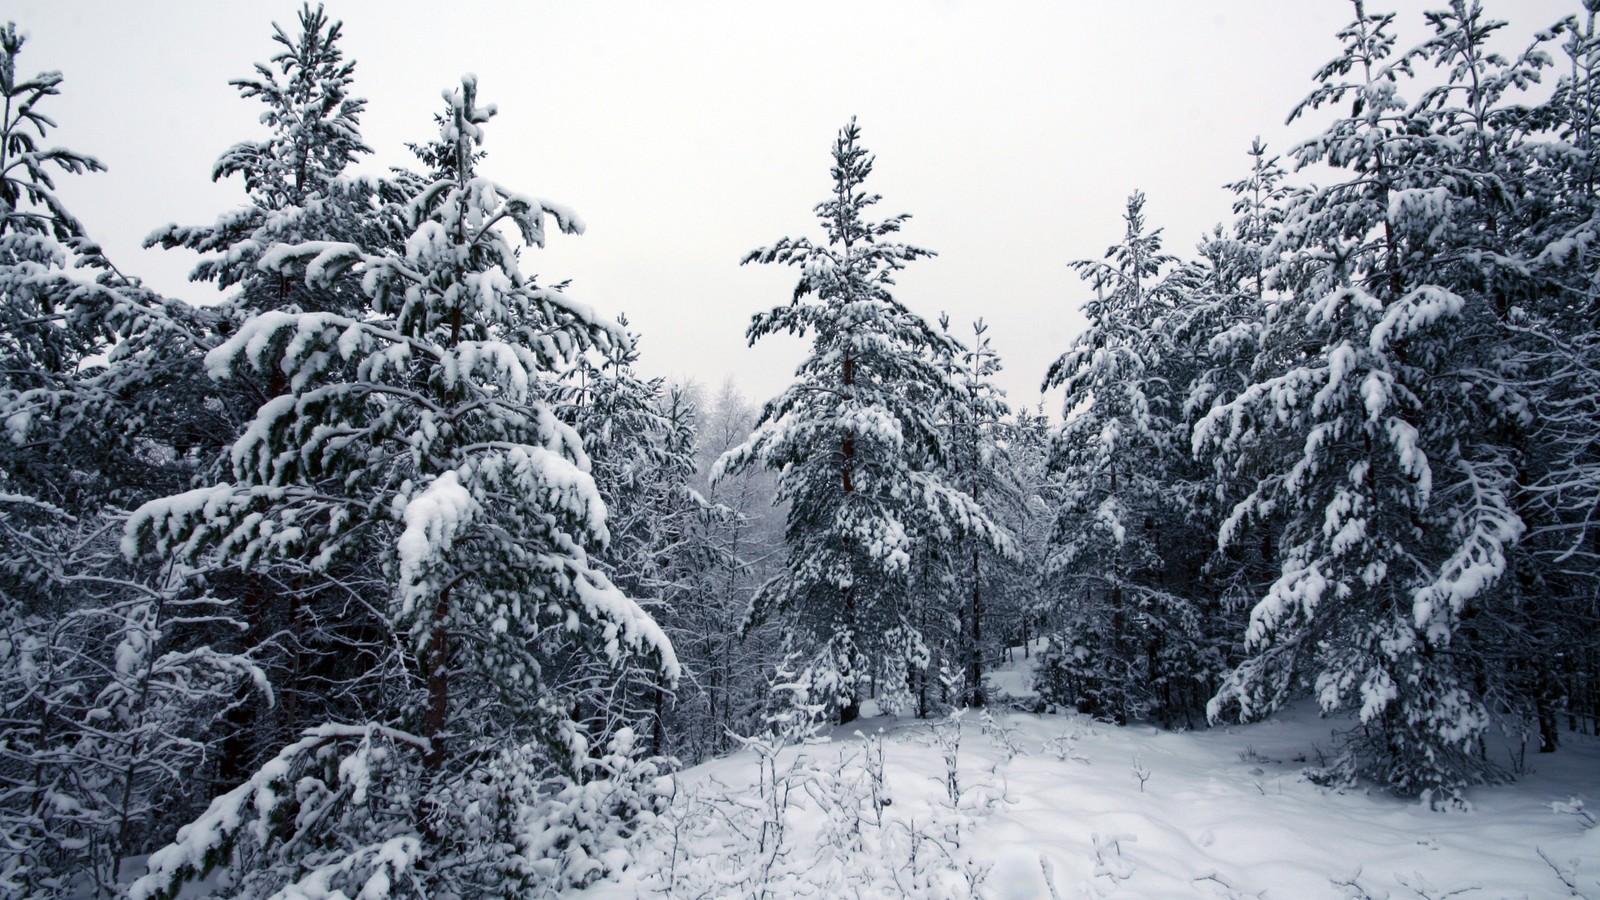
pixel 107 705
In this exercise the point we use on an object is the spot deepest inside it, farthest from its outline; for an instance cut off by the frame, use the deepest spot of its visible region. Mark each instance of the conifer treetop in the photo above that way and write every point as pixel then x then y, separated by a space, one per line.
pixel 25 164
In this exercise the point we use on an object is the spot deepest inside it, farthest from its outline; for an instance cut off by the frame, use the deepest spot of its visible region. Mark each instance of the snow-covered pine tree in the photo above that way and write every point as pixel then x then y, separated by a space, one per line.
pixel 980 466
pixel 1223 302
pixel 1380 437
pixel 858 446
pixel 425 423
pixel 1222 294
pixel 306 627
pixel 1552 306
pixel 43 337
pixel 1123 631
pixel 294 178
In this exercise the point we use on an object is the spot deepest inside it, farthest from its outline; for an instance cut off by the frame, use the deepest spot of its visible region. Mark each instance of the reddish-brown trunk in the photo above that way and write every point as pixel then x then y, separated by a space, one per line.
pixel 438 662
pixel 244 717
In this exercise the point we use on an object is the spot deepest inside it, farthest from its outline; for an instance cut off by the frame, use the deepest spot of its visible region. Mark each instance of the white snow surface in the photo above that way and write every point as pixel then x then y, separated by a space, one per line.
pixel 432 519
pixel 1223 812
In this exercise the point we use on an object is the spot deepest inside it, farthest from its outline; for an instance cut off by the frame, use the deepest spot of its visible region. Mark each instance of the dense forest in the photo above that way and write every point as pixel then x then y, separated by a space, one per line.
pixel 393 575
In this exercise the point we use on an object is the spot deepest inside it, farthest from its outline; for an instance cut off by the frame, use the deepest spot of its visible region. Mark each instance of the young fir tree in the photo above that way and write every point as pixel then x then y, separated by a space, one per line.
pixel 979 466
pixel 859 448
pixel 425 423
pixel 1128 637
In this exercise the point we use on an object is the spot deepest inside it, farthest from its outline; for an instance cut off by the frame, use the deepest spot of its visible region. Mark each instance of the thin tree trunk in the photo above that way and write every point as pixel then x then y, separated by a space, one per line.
pixel 975 659
pixel 851 710
pixel 438 662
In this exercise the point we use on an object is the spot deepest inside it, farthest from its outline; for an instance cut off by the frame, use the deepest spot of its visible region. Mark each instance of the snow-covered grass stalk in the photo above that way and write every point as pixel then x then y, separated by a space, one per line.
pixel 758 858
pixel 872 757
pixel 947 735
pixel 818 818
pixel 1002 733
pixel 1064 746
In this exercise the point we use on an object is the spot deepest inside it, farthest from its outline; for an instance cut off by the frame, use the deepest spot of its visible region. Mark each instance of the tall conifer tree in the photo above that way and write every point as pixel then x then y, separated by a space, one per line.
pixel 858 445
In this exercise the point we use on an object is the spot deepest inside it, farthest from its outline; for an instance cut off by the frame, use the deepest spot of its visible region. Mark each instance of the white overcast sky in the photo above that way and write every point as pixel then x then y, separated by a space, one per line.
pixel 688 133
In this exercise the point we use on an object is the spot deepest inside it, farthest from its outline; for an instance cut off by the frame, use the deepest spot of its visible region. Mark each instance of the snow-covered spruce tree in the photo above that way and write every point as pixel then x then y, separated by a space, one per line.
pixel 1123 630
pixel 1381 445
pixel 858 446
pixel 423 422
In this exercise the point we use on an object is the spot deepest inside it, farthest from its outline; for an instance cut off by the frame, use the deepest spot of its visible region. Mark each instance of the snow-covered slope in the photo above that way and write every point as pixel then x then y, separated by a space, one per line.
pixel 1059 805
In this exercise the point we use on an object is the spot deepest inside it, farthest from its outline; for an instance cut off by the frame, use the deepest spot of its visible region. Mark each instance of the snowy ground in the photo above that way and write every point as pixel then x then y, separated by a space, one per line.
pixel 1058 805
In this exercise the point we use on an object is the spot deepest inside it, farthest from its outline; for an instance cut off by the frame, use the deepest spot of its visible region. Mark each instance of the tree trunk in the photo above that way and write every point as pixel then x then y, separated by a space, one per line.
pixel 851 710
pixel 243 718
pixel 657 728
pixel 438 663
pixel 975 657
pixel 1547 702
